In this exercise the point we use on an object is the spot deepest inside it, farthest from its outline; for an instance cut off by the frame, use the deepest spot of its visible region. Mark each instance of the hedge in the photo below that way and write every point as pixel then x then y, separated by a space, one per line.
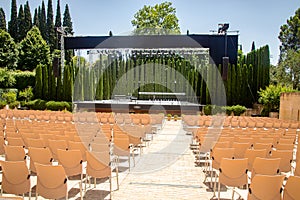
pixel 2 104
pixel 24 79
pixel 58 106
pixel 213 109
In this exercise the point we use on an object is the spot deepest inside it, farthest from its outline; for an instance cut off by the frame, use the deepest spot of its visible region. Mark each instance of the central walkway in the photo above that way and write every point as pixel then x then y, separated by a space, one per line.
pixel 166 169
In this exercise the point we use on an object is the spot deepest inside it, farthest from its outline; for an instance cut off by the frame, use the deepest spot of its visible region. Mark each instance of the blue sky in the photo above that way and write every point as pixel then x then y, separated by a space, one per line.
pixel 256 20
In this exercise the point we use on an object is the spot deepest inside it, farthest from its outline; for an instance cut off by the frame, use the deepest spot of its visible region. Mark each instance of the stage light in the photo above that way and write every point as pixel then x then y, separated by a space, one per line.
pixel 223 28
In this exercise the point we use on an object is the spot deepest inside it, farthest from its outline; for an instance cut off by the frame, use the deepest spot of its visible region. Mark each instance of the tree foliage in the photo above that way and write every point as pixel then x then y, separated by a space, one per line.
pixel 159 19
pixel 28 18
pixel 6 79
pixel 289 35
pixel 2 19
pixel 13 23
pixel 8 51
pixel 21 24
pixel 50 34
pixel 34 51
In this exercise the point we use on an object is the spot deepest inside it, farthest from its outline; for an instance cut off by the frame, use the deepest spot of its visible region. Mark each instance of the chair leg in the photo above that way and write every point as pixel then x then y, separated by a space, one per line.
pixel 95 180
pixel 117 174
pixel 232 194
pixel 29 194
pixel 110 187
pixel 81 177
pixel 36 195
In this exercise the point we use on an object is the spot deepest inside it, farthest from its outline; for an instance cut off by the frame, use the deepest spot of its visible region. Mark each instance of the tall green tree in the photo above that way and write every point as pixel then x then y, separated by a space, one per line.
pixel 21 24
pixel 34 50
pixel 13 23
pixel 38 89
pixel 36 21
pixel 8 51
pixel 28 17
pixel 57 23
pixel 2 19
pixel 42 21
pixel 68 25
pixel 289 35
pixel 159 19
pixel 50 34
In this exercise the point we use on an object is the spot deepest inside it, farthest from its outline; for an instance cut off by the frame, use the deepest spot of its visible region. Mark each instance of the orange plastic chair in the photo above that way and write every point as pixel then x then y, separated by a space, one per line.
pixel 291 188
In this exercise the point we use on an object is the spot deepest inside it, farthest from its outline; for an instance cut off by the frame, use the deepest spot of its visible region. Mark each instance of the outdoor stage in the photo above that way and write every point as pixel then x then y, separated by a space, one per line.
pixel 139 106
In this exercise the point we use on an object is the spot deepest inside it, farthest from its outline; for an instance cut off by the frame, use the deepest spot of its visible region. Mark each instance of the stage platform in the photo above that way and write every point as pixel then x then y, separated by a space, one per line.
pixel 139 106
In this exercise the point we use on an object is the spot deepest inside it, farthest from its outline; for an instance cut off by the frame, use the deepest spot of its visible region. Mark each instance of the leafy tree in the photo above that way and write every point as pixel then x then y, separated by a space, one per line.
pixel 13 23
pixel 28 18
pixel 2 19
pixel 156 20
pixel 270 97
pixel 21 24
pixel 8 51
pixel 288 70
pixel 289 35
pixel 50 34
pixel 34 51
pixel 6 78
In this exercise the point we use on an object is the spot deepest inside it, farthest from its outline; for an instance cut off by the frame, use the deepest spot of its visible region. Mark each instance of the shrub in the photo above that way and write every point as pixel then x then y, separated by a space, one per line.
pixel 24 79
pixel 37 104
pixel 207 109
pixel 26 94
pixel 213 109
pixel 228 110
pixel 9 97
pixel 14 105
pixel 238 110
pixel 56 106
pixel 2 104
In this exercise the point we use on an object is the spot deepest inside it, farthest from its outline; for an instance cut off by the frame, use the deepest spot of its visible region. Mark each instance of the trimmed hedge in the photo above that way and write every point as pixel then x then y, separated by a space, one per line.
pixel 58 106
pixel 37 104
pixel 24 79
pixel 2 104
pixel 213 109
pixel 14 105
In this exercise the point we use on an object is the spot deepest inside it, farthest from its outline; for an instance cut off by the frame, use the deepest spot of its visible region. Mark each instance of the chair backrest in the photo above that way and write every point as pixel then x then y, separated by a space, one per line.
pixel 265 166
pixel 15 141
pixel 51 181
pixel 98 164
pixel 291 188
pixel 38 143
pixel 281 146
pixel 96 147
pixel 14 153
pixel 78 146
pixel 121 145
pixel 267 146
pixel 15 177
pixel 233 172
pixel 286 159
pixel 54 145
pixel 240 149
pixel 39 155
pixel 266 187
pixel 2 143
pixel 251 154
pixel 71 160
pixel 219 153
pixel 297 169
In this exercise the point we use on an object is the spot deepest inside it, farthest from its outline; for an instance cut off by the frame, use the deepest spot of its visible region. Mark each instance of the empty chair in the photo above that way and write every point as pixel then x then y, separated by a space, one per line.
pixel 233 173
pixel 71 160
pixel 240 149
pixel 265 166
pixel 251 154
pixel 14 153
pixel 266 187
pixel 51 181
pixel 286 157
pixel 39 155
pixel 78 146
pixel 291 188
pixel 267 146
pixel 100 147
pixel 99 166
pixel 297 169
pixel 281 146
pixel 39 143
pixel 123 148
pixel 54 145
pixel 15 141
pixel 15 178
pixel 2 143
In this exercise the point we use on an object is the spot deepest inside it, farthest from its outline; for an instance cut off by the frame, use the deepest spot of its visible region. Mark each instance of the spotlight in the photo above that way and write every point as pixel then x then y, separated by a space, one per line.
pixel 223 28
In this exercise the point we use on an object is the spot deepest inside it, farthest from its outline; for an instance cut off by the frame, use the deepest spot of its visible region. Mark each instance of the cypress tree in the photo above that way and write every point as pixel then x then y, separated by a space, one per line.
pixel 13 23
pixel 21 24
pixel 57 23
pixel 253 46
pixel 67 23
pixel 38 82
pixel 45 95
pixel 36 18
pixel 2 19
pixel 50 33
pixel 42 20
pixel 28 18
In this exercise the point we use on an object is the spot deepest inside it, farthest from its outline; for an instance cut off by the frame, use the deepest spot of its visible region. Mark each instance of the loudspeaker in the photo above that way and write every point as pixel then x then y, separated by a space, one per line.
pixel 55 65
pixel 225 68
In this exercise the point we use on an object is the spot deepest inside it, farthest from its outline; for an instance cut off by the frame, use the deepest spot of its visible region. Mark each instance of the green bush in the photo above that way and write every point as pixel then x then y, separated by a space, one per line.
pixel 9 97
pixel 37 104
pixel 238 110
pixel 228 110
pixel 207 109
pixel 24 79
pixel 56 106
pixel 26 94
pixel 213 109
pixel 14 105
pixel 2 104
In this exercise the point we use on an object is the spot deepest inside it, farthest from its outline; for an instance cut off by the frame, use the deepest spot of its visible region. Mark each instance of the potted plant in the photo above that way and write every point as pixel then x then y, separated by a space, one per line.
pixel 169 116
pixel 175 117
